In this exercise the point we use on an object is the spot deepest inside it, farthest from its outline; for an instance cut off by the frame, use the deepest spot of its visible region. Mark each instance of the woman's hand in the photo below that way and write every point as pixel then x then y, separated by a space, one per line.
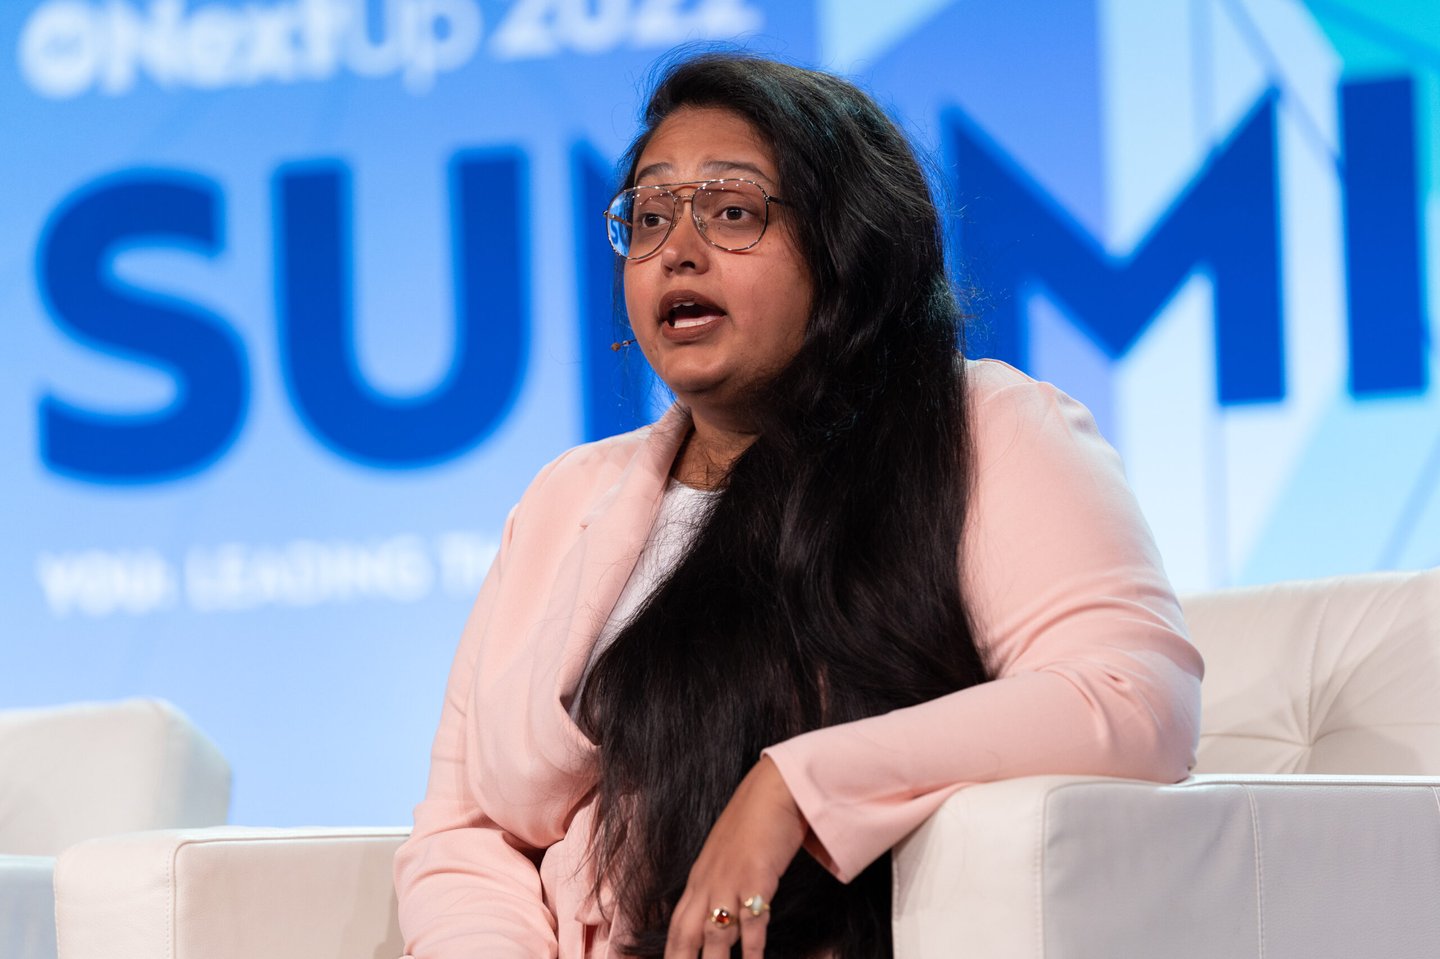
pixel 748 848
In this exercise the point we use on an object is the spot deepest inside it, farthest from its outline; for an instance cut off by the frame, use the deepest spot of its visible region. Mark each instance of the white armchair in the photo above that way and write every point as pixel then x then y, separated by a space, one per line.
pixel 1309 830
pixel 71 773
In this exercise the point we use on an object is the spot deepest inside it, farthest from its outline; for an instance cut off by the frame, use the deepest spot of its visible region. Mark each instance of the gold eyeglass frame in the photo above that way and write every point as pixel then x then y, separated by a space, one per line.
pixel 675 218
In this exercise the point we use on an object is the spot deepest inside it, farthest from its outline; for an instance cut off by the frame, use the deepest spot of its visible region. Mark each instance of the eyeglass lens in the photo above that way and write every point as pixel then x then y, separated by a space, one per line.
pixel 729 213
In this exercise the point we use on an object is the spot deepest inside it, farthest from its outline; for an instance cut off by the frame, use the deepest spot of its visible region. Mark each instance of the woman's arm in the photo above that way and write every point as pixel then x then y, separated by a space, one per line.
pixel 1094 672
pixel 466 887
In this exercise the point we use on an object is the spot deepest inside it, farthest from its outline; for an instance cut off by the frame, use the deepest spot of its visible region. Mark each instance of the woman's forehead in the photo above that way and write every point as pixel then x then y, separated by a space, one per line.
pixel 709 170
pixel 698 143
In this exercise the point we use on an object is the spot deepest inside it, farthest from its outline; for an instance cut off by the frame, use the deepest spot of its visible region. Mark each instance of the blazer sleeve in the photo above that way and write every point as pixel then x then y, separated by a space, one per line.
pixel 466 887
pixel 1094 674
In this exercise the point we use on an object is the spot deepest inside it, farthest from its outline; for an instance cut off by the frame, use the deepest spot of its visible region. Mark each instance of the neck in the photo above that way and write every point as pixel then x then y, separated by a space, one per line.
pixel 709 451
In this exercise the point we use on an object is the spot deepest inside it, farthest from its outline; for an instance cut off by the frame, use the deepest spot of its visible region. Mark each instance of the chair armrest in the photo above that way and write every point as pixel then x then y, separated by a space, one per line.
pixel 1086 868
pixel 230 893
pixel 1048 867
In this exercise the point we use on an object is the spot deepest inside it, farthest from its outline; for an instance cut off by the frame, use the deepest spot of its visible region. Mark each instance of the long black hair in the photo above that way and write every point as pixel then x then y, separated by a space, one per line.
pixel 823 585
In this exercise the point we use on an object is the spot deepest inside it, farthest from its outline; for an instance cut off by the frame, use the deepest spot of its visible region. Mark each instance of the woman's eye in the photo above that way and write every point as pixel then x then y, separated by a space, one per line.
pixel 731 214
pixel 650 221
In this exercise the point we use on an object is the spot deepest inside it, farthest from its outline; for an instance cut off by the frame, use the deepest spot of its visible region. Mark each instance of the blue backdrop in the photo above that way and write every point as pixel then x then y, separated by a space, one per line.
pixel 296 295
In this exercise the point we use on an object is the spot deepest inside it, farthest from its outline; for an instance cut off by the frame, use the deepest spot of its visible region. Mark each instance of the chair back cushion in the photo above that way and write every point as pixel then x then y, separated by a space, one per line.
pixel 72 773
pixel 1328 676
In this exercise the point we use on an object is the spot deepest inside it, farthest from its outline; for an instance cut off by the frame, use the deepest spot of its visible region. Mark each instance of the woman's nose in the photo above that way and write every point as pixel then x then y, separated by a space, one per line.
pixel 685 247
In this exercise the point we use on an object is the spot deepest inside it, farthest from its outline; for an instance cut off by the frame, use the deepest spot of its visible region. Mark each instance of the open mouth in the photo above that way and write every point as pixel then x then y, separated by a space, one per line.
pixel 683 311
pixel 685 315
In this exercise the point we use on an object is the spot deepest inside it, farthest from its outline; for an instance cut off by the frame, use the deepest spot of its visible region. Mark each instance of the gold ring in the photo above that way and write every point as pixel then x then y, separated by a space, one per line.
pixel 757 905
pixel 721 917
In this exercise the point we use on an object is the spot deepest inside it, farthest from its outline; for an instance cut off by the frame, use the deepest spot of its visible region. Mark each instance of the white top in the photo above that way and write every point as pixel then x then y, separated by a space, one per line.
pixel 681 509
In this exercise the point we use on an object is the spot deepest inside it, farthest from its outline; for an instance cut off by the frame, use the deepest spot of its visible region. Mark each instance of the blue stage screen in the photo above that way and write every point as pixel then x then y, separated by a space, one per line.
pixel 296 296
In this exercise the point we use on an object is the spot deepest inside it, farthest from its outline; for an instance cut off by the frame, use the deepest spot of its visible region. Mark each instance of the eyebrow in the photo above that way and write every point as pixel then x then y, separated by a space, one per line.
pixel 709 166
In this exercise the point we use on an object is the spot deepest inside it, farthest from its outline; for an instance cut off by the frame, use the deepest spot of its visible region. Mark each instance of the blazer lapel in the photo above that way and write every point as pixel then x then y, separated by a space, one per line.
pixel 613 534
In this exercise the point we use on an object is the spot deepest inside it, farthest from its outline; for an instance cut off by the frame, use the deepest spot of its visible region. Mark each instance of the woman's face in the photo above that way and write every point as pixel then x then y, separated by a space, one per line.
pixel 750 308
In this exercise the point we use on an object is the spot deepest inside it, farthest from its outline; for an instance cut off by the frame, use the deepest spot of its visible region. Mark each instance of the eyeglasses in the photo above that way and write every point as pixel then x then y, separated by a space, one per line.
pixel 730 214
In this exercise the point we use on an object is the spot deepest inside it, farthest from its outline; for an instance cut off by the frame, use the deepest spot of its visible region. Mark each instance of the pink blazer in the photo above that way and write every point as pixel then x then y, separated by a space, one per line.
pixel 1095 675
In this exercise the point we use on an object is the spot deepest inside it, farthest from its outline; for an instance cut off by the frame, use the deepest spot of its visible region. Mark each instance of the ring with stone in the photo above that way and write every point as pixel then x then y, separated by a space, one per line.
pixel 757 905
pixel 721 917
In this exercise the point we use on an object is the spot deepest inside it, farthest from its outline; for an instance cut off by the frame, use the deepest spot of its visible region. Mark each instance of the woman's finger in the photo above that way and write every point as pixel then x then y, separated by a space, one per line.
pixel 753 840
pixel 685 935
pixel 754 918
pixel 722 929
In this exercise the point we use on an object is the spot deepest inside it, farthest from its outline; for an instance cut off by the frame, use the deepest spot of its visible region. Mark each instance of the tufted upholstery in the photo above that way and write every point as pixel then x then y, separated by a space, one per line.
pixel 1311 829
pixel 1325 676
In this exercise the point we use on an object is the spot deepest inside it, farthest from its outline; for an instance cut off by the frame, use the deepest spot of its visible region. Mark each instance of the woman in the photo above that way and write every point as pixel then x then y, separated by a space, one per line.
pixel 845 575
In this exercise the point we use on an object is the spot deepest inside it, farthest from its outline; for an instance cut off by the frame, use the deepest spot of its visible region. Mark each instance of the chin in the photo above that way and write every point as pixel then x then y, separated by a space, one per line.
pixel 693 383
pixel 693 393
